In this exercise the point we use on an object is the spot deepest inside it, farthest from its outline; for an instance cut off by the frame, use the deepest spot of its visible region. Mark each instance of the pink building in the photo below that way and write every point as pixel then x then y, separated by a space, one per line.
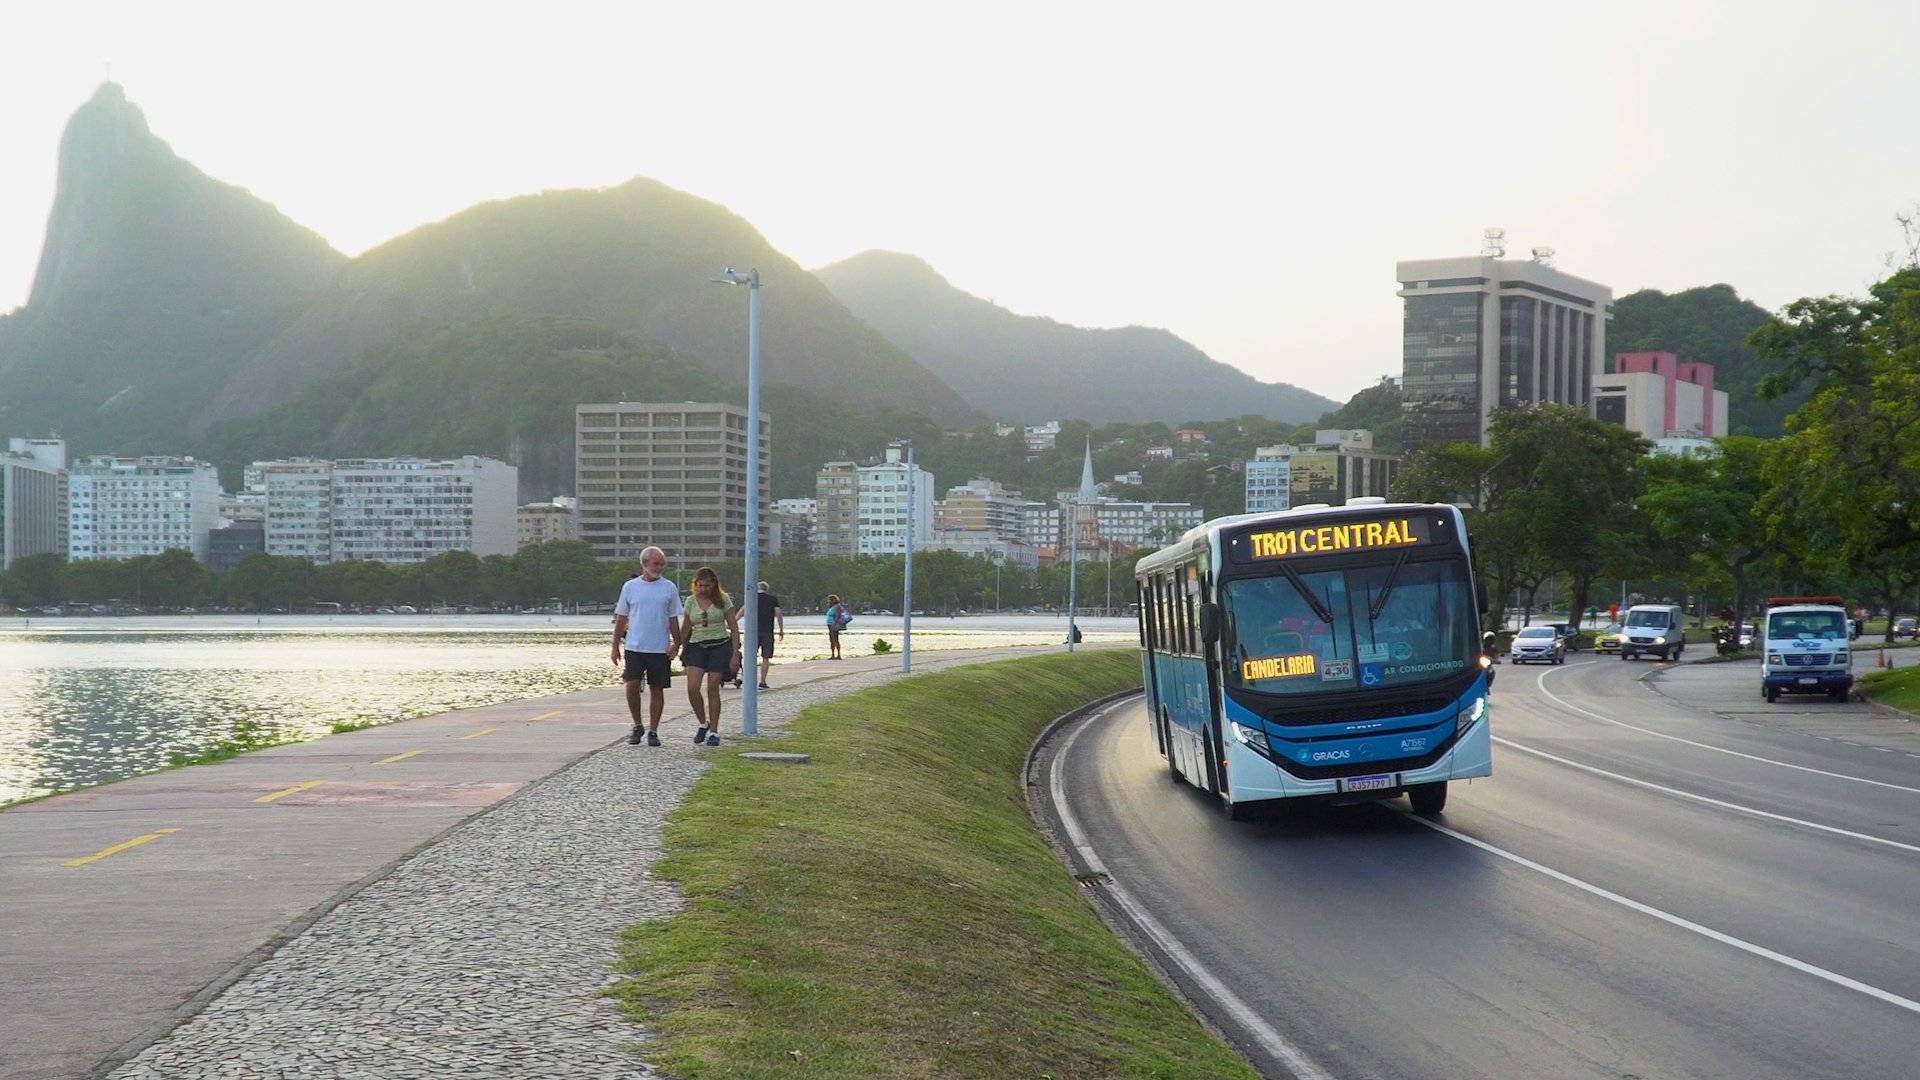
pixel 1659 397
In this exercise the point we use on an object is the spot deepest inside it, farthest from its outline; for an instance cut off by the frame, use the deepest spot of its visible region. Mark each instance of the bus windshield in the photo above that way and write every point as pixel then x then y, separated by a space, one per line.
pixel 1360 628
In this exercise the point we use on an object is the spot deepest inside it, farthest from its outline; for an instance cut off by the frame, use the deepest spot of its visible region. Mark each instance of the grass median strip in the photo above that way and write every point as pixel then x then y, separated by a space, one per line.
pixel 1899 688
pixel 890 909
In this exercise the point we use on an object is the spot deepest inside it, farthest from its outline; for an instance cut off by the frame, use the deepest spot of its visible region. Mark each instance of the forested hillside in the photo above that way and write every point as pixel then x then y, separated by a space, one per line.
pixel 1030 370
pixel 1708 325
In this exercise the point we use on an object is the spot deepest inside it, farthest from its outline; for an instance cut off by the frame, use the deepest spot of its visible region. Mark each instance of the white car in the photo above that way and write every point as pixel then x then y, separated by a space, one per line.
pixel 1538 643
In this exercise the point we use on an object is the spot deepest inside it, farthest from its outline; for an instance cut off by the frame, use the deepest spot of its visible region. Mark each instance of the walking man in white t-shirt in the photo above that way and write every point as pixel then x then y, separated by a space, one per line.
pixel 646 637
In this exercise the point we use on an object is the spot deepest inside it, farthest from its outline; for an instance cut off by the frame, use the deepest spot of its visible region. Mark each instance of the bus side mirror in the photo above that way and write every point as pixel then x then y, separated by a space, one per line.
pixel 1209 622
pixel 1480 591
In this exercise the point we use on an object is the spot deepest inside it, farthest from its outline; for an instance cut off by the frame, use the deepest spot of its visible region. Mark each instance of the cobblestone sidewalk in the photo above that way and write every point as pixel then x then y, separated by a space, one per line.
pixel 483 955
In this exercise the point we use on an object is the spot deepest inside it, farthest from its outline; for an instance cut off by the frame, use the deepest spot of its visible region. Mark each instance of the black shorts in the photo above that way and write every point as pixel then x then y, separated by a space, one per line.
pixel 707 656
pixel 766 644
pixel 648 667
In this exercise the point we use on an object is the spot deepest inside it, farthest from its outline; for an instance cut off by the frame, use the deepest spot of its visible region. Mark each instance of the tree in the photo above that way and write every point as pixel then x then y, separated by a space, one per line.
pixel 34 580
pixel 1711 508
pixel 1849 468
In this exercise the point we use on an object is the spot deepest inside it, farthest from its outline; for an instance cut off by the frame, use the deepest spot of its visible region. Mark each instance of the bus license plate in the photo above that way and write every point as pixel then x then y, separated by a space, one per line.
pixel 1367 783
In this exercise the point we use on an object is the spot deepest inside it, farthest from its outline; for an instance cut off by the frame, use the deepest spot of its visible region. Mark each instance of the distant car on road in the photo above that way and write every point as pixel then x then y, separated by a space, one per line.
pixel 1607 640
pixel 1569 634
pixel 1543 644
pixel 1906 627
pixel 1748 632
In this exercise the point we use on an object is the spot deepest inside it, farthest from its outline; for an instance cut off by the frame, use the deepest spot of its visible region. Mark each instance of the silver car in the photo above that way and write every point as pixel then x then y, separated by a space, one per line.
pixel 1538 643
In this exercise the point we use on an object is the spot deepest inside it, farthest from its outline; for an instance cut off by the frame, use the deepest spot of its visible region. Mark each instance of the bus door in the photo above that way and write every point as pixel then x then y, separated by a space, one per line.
pixel 1209 653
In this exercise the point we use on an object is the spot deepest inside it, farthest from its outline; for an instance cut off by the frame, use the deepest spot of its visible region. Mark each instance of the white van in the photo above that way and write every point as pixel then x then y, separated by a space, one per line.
pixel 1653 629
pixel 1807 649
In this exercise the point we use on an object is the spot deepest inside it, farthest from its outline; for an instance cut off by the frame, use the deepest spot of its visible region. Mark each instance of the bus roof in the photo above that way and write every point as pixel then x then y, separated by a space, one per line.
pixel 1208 529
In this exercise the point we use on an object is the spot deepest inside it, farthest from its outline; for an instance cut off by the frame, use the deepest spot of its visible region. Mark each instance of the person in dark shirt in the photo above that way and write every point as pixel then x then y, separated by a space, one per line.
pixel 770 616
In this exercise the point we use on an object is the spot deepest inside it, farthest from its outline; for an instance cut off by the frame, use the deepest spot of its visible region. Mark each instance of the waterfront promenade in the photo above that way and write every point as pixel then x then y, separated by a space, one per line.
pixel 430 897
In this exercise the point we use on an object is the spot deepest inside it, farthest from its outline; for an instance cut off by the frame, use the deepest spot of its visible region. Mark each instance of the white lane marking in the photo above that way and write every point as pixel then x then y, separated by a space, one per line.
pixel 1704 799
pixel 1275 1043
pixel 1564 703
pixel 1668 917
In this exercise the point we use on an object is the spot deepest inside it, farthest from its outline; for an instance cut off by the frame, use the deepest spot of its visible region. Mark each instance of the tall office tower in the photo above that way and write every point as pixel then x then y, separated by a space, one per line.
pixel 298 498
pixel 1339 464
pixel 1483 333
pixel 836 519
pixel 120 507
pixel 673 476
pixel 407 510
pixel 33 499
pixel 882 505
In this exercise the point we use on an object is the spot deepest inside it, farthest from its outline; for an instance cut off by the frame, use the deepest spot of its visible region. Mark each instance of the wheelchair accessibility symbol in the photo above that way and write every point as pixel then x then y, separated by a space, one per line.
pixel 1370 674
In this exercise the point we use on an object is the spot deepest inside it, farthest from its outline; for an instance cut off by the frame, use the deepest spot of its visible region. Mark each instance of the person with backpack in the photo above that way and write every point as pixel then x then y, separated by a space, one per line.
pixel 837 619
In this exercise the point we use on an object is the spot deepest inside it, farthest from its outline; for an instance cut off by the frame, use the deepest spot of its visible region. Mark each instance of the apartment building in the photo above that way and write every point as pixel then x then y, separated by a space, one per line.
pixel 120 507
pixel 297 496
pixel 671 475
pixel 543 522
pixel 982 505
pixel 1338 465
pixel 33 499
pixel 884 492
pixel 407 510
pixel 836 520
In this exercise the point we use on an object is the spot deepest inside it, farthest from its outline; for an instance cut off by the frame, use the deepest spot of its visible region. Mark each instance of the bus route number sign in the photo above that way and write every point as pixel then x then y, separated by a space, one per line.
pixel 1293 542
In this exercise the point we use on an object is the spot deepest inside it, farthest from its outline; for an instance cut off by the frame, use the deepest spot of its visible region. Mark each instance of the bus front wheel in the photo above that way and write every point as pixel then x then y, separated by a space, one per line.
pixel 1428 799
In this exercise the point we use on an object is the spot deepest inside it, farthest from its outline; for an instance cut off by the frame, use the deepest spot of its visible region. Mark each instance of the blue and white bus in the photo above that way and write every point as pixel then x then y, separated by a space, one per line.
pixel 1329 652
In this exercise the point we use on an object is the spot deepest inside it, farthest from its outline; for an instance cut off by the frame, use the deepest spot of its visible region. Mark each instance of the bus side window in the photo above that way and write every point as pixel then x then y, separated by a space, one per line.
pixel 1187 615
pixel 1160 638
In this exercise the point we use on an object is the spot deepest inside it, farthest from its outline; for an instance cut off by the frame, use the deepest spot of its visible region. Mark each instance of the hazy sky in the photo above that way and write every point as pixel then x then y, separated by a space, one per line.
pixel 1244 175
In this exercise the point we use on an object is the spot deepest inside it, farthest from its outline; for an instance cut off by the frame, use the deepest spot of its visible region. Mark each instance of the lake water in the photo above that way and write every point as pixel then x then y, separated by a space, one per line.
pixel 89 700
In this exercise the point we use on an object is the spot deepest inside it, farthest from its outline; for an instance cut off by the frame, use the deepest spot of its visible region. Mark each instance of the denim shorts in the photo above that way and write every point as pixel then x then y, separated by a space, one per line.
pixel 707 656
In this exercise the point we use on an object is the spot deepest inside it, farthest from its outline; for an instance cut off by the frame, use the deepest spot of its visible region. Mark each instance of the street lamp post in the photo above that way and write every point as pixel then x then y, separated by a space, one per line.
pixel 1073 572
pixel 906 603
pixel 750 633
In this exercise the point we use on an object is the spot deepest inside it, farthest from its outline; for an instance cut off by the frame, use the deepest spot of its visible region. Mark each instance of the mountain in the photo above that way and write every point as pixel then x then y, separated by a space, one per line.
pixel 156 281
pixel 636 259
pixel 1028 370
pixel 1707 325
pixel 505 387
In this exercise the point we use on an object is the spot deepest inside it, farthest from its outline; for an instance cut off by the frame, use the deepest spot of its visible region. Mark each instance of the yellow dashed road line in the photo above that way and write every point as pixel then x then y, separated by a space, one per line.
pixel 545 716
pixel 398 757
pixel 477 734
pixel 118 848
pixel 284 792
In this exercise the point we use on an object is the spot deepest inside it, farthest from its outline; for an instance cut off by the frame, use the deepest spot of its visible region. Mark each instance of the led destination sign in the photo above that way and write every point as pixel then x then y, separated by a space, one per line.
pixel 1286 543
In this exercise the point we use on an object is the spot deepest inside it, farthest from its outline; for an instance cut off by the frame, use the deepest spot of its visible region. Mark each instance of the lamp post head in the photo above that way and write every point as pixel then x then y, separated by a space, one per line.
pixel 730 276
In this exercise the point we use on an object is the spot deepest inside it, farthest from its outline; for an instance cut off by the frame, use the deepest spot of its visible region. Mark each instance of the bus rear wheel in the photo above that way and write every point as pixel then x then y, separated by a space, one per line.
pixel 1428 799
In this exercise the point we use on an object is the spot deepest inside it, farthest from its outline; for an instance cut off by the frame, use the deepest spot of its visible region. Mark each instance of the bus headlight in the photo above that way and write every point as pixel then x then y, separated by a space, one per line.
pixel 1253 737
pixel 1471 715
pixel 1486 662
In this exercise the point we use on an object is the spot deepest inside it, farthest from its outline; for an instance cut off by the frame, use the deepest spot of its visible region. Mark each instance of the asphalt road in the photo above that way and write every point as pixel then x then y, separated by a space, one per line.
pixel 1644 888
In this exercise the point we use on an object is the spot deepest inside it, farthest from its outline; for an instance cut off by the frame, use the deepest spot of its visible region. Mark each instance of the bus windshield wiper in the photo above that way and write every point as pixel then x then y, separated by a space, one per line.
pixel 1386 589
pixel 1320 610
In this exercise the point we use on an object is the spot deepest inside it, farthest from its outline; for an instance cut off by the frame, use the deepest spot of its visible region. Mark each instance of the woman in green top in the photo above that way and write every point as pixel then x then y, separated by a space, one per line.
pixel 711 653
